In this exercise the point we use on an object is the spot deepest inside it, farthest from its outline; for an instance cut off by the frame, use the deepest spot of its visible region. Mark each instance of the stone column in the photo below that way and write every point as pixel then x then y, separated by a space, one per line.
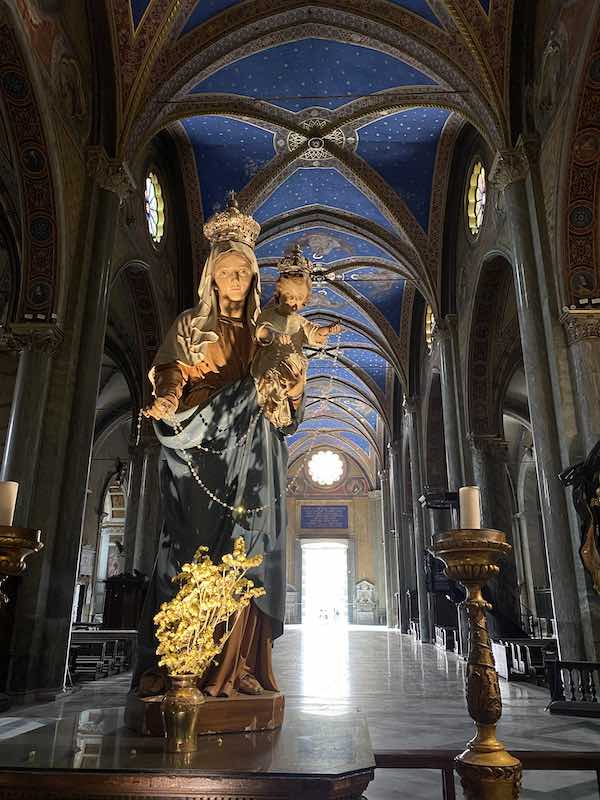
pixel 452 405
pixel 37 343
pixel 411 408
pixel 385 540
pixel 111 183
pixel 529 583
pixel 509 172
pixel 582 328
pixel 375 522
pixel 148 518
pixel 489 465
pixel 395 461
pixel 134 483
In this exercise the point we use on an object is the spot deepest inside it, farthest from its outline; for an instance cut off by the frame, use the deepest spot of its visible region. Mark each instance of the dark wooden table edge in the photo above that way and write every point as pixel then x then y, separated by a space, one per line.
pixel 65 783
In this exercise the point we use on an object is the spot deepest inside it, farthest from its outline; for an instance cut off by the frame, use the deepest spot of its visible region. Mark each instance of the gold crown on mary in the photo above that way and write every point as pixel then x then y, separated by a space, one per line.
pixel 295 263
pixel 232 225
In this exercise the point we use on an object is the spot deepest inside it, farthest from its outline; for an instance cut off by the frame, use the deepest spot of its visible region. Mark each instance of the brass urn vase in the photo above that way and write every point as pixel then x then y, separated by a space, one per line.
pixel 181 707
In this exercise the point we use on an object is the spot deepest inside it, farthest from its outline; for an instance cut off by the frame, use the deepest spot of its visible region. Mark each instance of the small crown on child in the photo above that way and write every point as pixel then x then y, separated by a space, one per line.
pixel 296 263
pixel 232 225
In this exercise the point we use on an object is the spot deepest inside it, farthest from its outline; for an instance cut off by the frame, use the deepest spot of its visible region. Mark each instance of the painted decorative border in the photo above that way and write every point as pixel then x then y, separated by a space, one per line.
pixel 582 267
pixel 40 267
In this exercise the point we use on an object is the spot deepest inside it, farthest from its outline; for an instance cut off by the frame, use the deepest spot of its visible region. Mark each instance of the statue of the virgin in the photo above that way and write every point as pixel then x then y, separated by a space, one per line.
pixel 224 464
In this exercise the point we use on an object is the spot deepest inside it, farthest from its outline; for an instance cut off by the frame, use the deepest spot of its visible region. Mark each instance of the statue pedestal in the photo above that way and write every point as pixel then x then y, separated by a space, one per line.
pixel 237 714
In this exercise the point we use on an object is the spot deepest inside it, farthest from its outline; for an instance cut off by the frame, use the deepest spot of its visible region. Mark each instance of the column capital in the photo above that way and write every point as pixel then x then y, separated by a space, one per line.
pixel 442 332
pixel 580 324
pixel 111 174
pixel 411 404
pixel 510 166
pixel 488 445
pixel 40 337
pixel 384 474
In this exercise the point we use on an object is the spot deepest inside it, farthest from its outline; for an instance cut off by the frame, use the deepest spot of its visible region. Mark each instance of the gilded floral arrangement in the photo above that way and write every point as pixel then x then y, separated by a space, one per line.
pixel 193 627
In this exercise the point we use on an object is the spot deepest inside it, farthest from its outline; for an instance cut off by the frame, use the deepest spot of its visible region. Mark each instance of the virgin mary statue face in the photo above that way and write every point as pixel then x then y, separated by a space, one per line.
pixel 233 277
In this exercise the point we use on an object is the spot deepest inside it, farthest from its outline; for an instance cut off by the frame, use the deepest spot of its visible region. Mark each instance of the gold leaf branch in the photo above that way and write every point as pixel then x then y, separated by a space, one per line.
pixel 194 626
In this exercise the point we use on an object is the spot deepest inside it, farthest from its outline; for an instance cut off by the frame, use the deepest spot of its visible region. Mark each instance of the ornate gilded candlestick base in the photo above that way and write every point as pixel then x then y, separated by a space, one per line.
pixel 486 769
pixel 15 545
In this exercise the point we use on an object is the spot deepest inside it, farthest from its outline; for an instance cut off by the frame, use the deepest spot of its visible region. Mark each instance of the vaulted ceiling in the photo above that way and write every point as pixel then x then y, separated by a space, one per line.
pixel 335 122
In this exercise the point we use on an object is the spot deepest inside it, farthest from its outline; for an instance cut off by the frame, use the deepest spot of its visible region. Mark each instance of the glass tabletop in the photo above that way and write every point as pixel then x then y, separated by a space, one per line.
pixel 97 739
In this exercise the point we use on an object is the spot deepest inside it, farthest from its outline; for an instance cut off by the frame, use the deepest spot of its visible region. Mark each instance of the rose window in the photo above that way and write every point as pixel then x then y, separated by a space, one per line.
pixel 325 468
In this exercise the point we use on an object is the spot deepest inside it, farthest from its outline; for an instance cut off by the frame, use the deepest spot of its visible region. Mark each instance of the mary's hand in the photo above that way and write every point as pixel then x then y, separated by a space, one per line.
pixel 161 407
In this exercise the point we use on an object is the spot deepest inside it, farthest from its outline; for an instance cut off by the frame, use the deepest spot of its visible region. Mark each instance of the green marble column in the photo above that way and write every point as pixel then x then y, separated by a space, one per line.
pixel 396 484
pixel 510 172
pixel 411 409
pixel 42 636
pixel 386 537
pixel 37 344
pixel 582 328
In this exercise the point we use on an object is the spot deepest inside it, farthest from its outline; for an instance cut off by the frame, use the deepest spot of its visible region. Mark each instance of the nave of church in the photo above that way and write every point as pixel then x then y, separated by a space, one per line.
pixel 299 378
pixel 411 696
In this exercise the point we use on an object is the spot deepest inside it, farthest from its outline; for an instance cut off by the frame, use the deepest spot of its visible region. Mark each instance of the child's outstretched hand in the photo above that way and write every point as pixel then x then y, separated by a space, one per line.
pixel 328 330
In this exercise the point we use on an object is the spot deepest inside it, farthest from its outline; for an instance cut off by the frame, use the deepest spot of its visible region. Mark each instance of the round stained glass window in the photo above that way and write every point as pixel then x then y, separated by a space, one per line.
pixel 476 195
pixel 325 467
pixel 154 207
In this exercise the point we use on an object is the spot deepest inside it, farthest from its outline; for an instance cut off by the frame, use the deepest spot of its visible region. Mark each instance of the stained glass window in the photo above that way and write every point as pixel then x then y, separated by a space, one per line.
pixel 154 207
pixel 476 195
pixel 325 467
pixel 429 328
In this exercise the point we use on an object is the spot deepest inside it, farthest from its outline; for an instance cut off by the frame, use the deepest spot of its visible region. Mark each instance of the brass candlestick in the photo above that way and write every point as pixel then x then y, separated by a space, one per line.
pixel 487 771
pixel 15 545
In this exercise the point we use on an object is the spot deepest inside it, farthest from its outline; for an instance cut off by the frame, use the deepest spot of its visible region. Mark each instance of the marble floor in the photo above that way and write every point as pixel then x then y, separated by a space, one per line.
pixel 410 694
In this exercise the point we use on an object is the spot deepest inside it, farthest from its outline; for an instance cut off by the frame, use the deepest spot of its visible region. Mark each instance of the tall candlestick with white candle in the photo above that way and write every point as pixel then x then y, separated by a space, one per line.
pixel 8 501
pixel 470 509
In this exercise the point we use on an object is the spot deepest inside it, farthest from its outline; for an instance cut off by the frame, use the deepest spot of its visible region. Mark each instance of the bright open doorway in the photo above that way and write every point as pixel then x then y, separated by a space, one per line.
pixel 324 582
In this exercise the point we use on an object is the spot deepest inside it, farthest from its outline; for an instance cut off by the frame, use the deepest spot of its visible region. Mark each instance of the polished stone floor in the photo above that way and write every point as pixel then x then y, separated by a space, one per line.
pixel 410 694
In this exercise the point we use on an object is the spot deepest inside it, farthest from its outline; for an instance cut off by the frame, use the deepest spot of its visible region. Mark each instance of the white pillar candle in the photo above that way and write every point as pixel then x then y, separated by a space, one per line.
pixel 8 500
pixel 470 509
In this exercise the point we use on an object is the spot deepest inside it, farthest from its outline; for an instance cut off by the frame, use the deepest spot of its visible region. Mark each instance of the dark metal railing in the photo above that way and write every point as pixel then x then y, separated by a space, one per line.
pixel 574 687
pixel 443 760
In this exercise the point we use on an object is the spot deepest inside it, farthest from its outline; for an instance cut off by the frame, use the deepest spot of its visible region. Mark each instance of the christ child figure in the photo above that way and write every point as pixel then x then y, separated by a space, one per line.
pixel 279 366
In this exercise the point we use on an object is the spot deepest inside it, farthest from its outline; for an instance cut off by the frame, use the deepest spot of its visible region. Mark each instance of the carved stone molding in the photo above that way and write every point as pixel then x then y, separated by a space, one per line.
pixel 509 166
pixel 441 332
pixel 581 324
pixel 111 174
pixel 494 446
pixel 410 405
pixel 39 337
pixel 395 447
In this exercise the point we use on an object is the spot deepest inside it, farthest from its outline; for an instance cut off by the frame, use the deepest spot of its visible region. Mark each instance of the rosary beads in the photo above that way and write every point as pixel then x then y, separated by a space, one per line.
pixel 239 512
